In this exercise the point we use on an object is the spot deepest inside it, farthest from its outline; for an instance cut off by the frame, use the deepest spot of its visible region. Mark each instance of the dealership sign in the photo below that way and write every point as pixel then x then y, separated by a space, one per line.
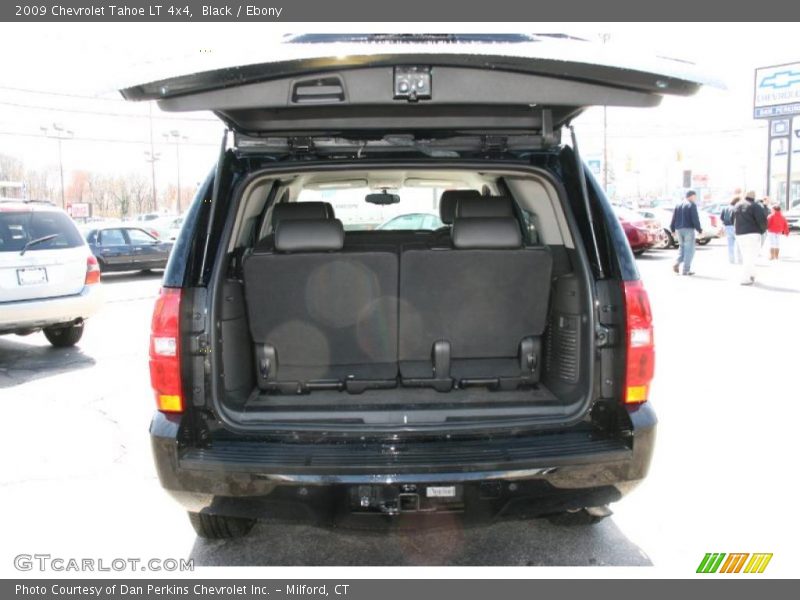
pixel 777 91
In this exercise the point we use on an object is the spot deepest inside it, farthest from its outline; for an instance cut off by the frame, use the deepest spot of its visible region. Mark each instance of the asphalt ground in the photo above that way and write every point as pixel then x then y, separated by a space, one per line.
pixel 77 477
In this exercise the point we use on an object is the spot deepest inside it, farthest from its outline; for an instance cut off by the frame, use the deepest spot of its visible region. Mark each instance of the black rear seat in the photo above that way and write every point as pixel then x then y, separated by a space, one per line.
pixel 448 202
pixel 475 314
pixel 294 211
pixel 324 316
pixel 321 318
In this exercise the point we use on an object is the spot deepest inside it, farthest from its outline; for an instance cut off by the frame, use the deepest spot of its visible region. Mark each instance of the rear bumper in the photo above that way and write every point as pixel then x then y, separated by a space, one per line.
pixel 31 314
pixel 552 472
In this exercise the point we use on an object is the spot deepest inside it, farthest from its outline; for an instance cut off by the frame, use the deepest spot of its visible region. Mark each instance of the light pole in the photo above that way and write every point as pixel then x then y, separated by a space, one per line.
pixel 177 137
pixel 57 132
pixel 605 37
pixel 152 157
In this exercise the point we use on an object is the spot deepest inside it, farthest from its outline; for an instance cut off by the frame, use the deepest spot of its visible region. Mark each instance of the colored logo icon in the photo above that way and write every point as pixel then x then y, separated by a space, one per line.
pixel 742 562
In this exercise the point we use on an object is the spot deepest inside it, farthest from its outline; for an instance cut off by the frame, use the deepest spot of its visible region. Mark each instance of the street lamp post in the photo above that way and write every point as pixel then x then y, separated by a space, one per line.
pixel 151 157
pixel 605 37
pixel 56 131
pixel 177 137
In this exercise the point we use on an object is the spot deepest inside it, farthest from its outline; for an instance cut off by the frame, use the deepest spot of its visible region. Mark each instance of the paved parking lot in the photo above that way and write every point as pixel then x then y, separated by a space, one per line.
pixel 77 476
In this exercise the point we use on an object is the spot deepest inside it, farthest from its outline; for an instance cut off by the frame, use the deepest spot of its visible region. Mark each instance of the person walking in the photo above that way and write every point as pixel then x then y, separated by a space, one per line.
pixel 777 225
pixel 750 223
pixel 685 221
pixel 726 215
pixel 764 204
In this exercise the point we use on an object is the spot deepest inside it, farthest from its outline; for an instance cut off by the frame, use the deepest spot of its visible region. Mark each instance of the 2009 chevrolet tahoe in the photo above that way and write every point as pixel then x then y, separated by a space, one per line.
pixel 497 359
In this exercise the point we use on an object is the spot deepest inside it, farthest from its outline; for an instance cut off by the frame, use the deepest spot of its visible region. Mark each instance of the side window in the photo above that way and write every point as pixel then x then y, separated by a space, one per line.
pixel 137 236
pixel 112 237
pixel 529 224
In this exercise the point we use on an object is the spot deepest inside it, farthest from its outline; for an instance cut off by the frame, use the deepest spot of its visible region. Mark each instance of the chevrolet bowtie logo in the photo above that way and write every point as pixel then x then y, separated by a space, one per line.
pixel 742 562
pixel 781 79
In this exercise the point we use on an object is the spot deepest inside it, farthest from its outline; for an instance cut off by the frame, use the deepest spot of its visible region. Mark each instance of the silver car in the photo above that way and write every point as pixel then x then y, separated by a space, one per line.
pixel 49 279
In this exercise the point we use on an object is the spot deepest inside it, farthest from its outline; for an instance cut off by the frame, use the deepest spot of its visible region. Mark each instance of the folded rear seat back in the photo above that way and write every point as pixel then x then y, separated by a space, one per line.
pixel 478 310
pixel 321 317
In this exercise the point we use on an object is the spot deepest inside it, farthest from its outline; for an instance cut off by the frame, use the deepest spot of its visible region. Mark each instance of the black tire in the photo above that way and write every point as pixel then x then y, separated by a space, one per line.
pixel 217 527
pixel 703 242
pixel 64 336
pixel 668 241
pixel 638 252
pixel 579 518
pixel 673 241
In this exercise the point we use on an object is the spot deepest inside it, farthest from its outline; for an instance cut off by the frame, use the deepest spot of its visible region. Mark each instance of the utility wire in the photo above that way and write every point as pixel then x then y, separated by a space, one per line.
pixel 60 94
pixel 105 113
pixel 103 140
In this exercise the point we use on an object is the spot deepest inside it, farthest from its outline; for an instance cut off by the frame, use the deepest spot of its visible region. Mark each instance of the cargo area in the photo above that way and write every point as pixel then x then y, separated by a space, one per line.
pixel 414 297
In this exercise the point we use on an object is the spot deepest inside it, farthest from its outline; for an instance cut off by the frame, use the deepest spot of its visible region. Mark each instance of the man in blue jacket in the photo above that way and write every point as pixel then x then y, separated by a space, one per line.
pixel 685 221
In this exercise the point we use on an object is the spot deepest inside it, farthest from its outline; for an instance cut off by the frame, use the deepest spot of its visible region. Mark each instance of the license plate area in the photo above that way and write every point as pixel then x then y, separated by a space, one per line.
pixel 406 498
pixel 32 276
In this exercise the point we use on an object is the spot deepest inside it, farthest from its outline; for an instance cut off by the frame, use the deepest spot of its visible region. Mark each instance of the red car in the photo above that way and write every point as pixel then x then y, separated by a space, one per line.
pixel 642 233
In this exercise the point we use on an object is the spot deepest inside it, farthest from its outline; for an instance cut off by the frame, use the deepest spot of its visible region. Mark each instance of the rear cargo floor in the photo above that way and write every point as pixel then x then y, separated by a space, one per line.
pixel 401 398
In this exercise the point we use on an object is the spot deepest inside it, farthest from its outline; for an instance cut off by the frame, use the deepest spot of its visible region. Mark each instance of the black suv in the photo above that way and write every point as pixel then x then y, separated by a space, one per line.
pixel 304 358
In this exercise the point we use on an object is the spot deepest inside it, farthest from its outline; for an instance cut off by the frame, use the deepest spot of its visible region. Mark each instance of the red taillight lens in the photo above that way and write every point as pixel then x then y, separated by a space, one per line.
pixel 92 271
pixel 641 350
pixel 165 368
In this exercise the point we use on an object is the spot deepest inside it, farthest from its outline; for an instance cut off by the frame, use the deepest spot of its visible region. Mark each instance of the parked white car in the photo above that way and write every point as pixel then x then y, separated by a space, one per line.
pixel 167 228
pixel 711 224
pixel 49 278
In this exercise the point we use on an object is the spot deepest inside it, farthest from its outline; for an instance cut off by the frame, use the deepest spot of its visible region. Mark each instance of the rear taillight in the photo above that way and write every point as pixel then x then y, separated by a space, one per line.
pixel 641 351
pixel 92 271
pixel 713 219
pixel 165 368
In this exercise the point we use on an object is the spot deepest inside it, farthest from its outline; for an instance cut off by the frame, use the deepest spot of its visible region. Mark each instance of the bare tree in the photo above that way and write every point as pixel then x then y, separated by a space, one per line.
pixel 140 192
pixel 11 168
pixel 78 188
pixel 121 196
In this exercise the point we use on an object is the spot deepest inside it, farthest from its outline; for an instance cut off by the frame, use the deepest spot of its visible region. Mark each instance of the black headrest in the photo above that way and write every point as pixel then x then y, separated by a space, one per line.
pixel 448 201
pixel 485 206
pixel 486 233
pixel 309 235
pixel 301 210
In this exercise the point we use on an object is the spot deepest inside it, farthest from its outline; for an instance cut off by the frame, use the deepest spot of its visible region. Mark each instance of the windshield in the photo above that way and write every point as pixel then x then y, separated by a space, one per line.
pixel 418 208
pixel 19 228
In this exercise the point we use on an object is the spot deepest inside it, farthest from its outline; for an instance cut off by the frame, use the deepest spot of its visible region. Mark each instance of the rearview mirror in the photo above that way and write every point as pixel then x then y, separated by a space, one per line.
pixel 383 198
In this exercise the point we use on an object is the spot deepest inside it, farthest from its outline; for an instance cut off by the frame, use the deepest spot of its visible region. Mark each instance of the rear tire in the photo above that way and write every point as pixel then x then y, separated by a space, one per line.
pixel 217 527
pixel 673 241
pixel 64 337
pixel 579 518
pixel 703 242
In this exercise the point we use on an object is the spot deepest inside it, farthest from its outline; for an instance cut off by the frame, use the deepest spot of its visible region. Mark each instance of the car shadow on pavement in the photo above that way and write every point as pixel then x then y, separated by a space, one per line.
pixel 656 255
pixel 535 542
pixel 21 362
pixel 775 288
pixel 125 276
pixel 709 277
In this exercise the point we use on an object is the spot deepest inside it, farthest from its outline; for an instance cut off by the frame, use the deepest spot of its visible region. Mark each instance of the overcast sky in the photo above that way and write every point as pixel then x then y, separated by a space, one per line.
pixel 68 74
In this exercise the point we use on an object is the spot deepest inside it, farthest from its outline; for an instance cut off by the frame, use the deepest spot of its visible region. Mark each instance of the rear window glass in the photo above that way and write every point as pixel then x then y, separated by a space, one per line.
pixel 418 208
pixel 19 228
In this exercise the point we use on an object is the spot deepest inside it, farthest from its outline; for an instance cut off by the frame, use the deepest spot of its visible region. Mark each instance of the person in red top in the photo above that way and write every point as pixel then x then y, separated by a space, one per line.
pixel 776 227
